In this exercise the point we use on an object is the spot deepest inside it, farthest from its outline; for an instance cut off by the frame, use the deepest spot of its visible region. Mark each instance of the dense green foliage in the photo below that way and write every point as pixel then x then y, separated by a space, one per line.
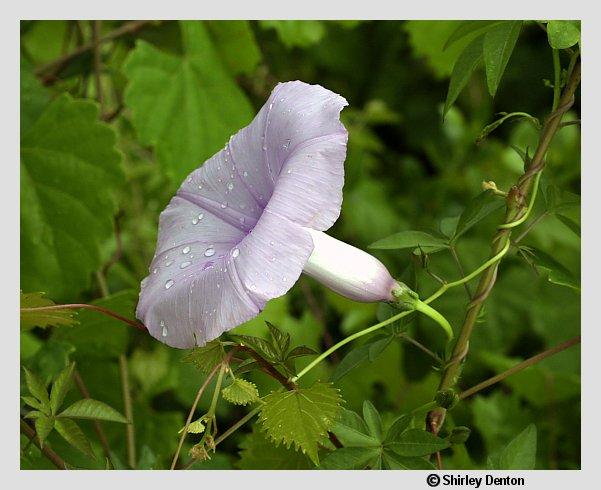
pixel 107 137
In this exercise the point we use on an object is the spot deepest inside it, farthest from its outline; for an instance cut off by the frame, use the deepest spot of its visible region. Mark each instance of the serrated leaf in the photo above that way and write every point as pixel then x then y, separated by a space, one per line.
pixel 43 319
pixel 240 392
pixel 301 417
pixel 73 434
pixel 70 170
pixel 207 357
pixel 372 419
pixel 259 453
pixel 349 458
pixel 498 45
pixel 520 453
pixel 196 427
pixel 352 431
pixel 468 27
pixel 563 34
pixel 36 387
pixel 410 239
pixel 417 442
pixel 60 387
pixel 301 33
pixel 464 67
pixel 478 209
pixel 43 426
pixel 92 410
pixel 186 106
pixel 261 346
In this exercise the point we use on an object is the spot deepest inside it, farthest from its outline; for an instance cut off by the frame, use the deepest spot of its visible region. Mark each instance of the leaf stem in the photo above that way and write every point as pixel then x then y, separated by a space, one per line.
pixel 201 390
pixel 520 367
pixel 46 451
pixel 436 316
pixel 556 78
pixel 78 306
pixel 421 347
pixel 129 412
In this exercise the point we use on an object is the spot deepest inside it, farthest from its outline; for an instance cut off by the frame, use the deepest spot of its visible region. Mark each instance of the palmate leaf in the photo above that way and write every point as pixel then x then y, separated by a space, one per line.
pixel 36 387
pixel 43 426
pixel 259 453
pixel 207 357
pixel 61 387
pixel 43 319
pixel 240 392
pixel 417 442
pixel 187 106
pixel 411 239
pixel 301 417
pixel 350 458
pixel 92 410
pixel 69 173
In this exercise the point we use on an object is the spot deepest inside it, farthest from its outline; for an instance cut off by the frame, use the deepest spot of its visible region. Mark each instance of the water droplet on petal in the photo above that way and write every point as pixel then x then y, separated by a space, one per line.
pixel 235 252
pixel 183 265
pixel 209 252
pixel 242 220
pixel 186 250
pixel 224 205
pixel 154 271
pixel 168 263
pixel 194 221
pixel 164 331
pixel 272 243
pixel 169 283
pixel 286 145
pixel 230 185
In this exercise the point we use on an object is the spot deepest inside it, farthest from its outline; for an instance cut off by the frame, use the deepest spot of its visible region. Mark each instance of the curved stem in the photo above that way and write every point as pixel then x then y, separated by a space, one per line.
pixel 524 217
pixel 348 339
pixel 436 316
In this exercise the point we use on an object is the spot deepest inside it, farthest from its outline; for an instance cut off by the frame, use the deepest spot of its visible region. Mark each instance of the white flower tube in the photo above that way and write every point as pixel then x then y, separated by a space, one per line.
pixel 349 271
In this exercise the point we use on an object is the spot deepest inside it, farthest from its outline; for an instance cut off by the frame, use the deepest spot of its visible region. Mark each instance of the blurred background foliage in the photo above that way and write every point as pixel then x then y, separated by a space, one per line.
pixel 170 94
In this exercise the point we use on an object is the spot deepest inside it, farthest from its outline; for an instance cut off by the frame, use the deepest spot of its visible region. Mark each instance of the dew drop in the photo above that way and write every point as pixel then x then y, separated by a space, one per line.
pixel 183 265
pixel 286 145
pixel 194 221
pixel 245 173
pixel 164 331
pixel 168 263
pixel 209 252
pixel 200 216
pixel 169 283
pixel 235 252
pixel 230 186
pixel 186 250
pixel 154 271
pixel 272 243
pixel 242 220
pixel 224 205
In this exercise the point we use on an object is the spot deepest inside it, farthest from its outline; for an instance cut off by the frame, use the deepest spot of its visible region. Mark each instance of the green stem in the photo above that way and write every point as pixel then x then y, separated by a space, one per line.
pixel 436 316
pixel 557 79
pixel 348 339
pixel 524 217
pixel 129 412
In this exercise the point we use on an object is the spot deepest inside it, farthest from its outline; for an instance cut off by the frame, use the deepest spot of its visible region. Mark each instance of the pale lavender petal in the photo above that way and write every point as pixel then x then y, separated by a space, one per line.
pixel 233 238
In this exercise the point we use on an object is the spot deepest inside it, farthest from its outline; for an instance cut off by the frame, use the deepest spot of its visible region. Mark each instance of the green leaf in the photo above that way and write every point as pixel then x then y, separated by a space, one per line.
pixel 464 67
pixel 467 27
pixel 301 351
pixel 520 453
pixel 498 45
pixel 563 34
pixel 556 272
pixel 150 367
pixel 263 347
pixel 352 431
pixel 410 239
pixel 186 106
pixel 372 419
pixel 241 392
pixel 60 387
pixel 93 410
pixel 570 223
pixel 43 426
pixel 207 357
pixel 72 433
pixel 33 402
pixel 196 427
pixel 36 387
pixel 281 340
pixel 349 458
pixel 43 319
pixel 292 33
pixel 396 462
pixel 70 170
pixel 301 416
pixel 367 352
pixel 479 208
pixel 34 97
pixel 417 442
pixel 236 44
pixel 398 427
pixel 148 460
pixel 259 453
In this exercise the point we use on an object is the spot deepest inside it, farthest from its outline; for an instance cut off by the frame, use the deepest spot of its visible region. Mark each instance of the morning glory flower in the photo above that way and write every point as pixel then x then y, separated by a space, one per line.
pixel 243 227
